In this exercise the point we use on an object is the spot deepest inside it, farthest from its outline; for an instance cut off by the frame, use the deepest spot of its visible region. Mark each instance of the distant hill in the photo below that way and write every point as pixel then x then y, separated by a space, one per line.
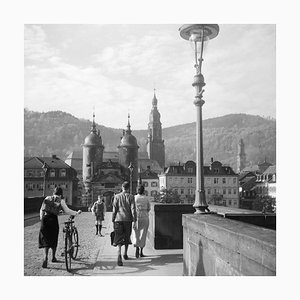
pixel 59 133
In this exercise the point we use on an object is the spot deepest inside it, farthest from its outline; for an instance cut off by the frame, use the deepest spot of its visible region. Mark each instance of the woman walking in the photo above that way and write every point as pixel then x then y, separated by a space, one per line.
pixel 49 230
pixel 140 230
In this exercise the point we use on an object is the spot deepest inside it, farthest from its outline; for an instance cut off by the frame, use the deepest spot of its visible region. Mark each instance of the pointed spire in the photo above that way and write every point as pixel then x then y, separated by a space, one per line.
pixel 128 125
pixel 94 124
pixel 154 100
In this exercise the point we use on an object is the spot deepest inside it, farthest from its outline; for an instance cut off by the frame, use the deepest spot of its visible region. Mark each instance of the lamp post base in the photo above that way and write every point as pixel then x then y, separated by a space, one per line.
pixel 200 204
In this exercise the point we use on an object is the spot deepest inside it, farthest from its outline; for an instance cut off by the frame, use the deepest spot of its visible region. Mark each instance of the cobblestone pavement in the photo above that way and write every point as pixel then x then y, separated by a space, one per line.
pixel 95 256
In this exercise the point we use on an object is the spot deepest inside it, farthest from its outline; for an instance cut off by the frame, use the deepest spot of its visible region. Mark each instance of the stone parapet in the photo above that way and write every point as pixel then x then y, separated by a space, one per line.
pixel 216 246
pixel 165 225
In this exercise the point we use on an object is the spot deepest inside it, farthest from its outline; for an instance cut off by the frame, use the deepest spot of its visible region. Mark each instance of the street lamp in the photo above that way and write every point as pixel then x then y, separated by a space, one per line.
pixel 45 169
pixel 198 35
pixel 130 167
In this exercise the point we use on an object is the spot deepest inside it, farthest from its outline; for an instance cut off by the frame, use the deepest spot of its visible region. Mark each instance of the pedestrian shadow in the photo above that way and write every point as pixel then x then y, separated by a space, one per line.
pixel 134 266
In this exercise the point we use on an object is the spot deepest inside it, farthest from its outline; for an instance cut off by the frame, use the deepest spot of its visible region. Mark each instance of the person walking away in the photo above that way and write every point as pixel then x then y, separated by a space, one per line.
pixel 49 230
pixel 98 210
pixel 140 231
pixel 124 213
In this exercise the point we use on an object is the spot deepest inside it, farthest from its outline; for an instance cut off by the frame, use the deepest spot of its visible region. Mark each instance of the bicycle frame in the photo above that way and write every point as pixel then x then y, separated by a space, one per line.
pixel 71 241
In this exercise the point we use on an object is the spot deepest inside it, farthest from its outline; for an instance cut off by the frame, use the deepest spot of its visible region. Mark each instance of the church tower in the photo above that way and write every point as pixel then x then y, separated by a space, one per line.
pixel 155 143
pixel 241 157
pixel 92 155
pixel 128 153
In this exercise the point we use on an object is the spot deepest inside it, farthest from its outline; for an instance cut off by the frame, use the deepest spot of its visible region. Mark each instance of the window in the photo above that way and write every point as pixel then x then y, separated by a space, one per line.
pixel 229 202
pixel 235 202
pixel 216 171
pixel 30 187
pixel 52 173
pixel 62 173
pixel 182 191
pixel 215 191
pixel 29 173
pixel 216 180
pixel 145 184
pixel 208 180
pixel 224 202
pixel 190 170
pixel 40 186
pixel 224 180
pixel 146 193
pixel 229 191
pixel 224 191
pixel 234 191
pixel 208 191
pixel 190 180
pixel 234 180
pixel 153 183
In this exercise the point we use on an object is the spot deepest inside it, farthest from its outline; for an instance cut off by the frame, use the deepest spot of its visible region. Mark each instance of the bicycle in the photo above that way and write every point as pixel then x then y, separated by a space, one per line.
pixel 71 242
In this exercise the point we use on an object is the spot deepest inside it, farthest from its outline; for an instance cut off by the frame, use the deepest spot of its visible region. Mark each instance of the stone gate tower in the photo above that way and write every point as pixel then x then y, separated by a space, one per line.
pixel 241 157
pixel 128 153
pixel 155 143
pixel 92 156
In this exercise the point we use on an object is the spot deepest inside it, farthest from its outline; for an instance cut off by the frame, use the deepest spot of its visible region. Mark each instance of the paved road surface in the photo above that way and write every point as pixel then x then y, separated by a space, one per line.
pixel 96 256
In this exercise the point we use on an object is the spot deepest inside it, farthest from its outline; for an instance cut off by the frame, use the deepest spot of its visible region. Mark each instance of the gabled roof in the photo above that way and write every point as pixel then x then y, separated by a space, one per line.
pixel 148 174
pixel 109 178
pixel 270 170
pixel 249 183
pixel 53 162
pixel 153 164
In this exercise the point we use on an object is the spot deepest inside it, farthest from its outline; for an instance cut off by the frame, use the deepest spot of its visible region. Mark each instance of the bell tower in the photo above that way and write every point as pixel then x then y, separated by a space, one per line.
pixel 241 157
pixel 155 143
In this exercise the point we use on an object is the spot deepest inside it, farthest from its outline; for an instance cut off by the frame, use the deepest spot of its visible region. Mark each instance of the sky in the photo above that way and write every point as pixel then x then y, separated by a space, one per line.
pixel 114 69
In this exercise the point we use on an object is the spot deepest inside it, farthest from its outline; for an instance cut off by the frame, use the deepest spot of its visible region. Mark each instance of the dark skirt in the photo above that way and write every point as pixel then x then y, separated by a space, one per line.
pixel 48 235
pixel 122 233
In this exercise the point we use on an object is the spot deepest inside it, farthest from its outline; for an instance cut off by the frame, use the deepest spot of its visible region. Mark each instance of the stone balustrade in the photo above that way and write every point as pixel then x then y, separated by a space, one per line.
pixel 217 246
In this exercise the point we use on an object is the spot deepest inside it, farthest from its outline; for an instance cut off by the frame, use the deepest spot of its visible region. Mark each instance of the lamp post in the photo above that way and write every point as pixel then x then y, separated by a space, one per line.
pixel 198 35
pixel 130 167
pixel 45 169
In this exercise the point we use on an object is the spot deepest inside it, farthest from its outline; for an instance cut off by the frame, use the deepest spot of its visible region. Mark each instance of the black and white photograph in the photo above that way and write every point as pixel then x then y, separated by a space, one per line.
pixel 150 148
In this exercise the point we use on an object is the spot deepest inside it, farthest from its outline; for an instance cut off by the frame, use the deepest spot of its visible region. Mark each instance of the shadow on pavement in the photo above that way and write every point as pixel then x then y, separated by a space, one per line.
pixel 136 266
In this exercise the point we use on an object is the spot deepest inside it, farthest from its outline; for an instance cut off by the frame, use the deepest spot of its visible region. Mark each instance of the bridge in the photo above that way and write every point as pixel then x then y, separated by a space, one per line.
pixel 96 257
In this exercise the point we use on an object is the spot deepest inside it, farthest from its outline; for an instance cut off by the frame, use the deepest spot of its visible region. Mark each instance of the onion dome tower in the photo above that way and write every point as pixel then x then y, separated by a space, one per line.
pixel 241 157
pixel 128 153
pixel 155 143
pixel 92 154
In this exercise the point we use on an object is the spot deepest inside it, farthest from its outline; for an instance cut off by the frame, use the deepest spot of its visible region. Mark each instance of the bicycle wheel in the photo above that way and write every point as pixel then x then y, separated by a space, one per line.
pixel 75 243
pixel 68 250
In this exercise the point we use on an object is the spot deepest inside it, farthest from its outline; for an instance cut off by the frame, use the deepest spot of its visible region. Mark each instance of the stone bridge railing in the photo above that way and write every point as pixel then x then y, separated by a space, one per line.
pixel 217 246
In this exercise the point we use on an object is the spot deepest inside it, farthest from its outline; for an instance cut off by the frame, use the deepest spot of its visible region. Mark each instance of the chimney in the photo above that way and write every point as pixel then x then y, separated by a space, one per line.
pixel 54 156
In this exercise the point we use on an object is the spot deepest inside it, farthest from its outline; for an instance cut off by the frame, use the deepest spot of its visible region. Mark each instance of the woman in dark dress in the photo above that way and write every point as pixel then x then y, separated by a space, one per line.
pixel 48 235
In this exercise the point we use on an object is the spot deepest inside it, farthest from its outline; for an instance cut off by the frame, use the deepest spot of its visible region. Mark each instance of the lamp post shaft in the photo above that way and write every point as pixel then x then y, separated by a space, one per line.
pixel 130 182
pixel 44 187
pixel 200 201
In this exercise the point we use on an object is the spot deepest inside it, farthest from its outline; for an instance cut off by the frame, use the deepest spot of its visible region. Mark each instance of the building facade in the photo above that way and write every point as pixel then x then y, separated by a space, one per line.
pixel 149 179
pixel 58 174
pixel 155 143
pixel 220 182
pixel 266 183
